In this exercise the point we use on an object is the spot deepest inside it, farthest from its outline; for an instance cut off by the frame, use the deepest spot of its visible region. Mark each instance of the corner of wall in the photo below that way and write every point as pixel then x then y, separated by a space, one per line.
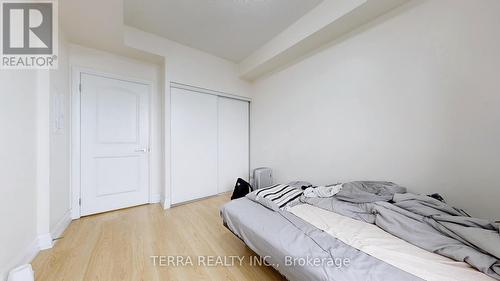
pixel 44 241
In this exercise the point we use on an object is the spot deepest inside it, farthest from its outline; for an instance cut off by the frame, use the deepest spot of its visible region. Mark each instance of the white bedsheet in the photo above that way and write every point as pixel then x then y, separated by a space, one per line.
pixel 376 242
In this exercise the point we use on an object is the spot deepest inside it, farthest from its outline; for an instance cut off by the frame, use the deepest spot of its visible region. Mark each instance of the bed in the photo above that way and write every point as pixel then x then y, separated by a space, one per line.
pixel 309 243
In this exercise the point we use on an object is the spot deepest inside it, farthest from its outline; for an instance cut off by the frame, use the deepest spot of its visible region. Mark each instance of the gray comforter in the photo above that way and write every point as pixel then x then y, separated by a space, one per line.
pixel 281 236
pixel 421 220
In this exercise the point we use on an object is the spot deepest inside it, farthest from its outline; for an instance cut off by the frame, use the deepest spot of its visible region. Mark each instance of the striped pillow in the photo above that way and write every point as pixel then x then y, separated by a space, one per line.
pixel 276 196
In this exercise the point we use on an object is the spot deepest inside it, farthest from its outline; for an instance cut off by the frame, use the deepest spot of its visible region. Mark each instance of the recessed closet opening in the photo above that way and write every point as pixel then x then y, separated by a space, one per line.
pixel 209 142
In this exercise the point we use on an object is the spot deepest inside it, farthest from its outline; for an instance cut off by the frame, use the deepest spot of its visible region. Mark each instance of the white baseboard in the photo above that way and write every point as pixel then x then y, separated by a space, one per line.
pixel 42 242
pixel 24 257
pixel 45 241
pixel 155 198
pixel 165 203
pixel 61 226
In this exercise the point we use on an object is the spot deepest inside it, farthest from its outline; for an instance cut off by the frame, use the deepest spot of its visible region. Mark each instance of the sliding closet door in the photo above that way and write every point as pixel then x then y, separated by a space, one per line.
pixel 194 145
pixel 233 142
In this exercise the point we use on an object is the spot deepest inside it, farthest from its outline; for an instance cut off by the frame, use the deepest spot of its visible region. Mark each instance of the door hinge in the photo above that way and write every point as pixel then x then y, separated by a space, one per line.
pixel 80 201
pixel 80 87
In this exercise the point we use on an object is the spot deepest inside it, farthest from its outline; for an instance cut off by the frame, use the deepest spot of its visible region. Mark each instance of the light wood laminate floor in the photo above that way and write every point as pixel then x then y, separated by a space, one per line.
pixel 118 246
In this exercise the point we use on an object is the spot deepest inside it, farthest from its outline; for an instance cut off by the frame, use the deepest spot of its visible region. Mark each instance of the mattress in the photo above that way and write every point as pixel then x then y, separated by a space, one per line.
pixel 300 251
pixel 373 240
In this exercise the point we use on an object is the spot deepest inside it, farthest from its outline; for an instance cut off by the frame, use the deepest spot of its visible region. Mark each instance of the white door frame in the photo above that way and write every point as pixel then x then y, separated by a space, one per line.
pixel 172 84
pixel 76 73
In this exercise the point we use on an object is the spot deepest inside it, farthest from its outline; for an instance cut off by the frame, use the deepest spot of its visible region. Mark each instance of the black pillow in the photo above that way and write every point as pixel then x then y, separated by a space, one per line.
pixel 241 189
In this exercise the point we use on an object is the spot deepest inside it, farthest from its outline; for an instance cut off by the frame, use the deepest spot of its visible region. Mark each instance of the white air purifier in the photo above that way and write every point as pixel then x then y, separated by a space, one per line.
pixel 262 177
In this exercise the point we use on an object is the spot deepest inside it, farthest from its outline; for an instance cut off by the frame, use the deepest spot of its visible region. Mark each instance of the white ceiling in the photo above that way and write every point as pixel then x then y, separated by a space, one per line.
pixel 230 29
pixel 101 28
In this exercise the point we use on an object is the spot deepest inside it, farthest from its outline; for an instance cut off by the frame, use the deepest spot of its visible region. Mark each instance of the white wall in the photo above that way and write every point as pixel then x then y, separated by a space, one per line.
pixel 17 166
pixel 60 203
pixel 43 158
pixel 412 99
pixel 189 66
pixel 34 161
pixel 130 68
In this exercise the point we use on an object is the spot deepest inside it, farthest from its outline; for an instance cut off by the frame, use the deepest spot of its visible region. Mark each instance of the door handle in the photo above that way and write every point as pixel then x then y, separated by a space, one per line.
pixel 144 150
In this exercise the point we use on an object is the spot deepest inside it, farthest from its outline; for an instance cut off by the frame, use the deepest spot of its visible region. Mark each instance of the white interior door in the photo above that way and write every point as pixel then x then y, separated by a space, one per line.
pixel 233 159
pixel 194 145
pixel 114 144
